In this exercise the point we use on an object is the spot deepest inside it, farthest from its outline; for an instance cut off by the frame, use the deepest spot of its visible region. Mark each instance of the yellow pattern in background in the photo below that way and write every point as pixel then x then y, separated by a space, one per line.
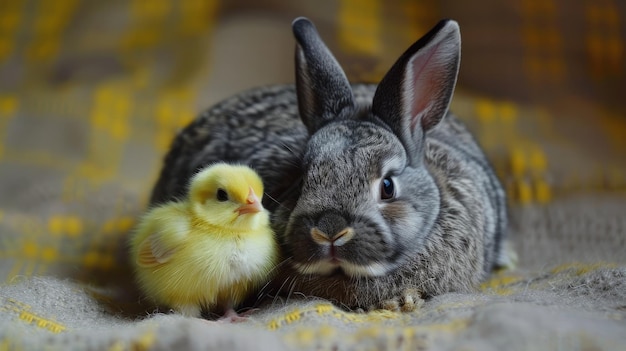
pixel 10 17
pixel 71 226
pixel 360 26
pixel 605 47
pixel 173 112
pixel 197 15
pixel 543 42
pixel 8 109
pixel 420 15
pixel 526 163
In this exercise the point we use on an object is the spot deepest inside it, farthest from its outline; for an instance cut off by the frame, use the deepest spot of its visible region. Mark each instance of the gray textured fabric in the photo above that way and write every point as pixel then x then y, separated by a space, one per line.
pixel 571 309
pixel 579 304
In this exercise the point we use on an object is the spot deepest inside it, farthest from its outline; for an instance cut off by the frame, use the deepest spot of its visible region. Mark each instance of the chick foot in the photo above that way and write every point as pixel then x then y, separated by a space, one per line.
pixel 231 316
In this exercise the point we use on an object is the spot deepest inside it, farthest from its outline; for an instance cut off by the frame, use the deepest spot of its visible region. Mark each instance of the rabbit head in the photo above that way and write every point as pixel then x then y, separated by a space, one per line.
pixel 368 201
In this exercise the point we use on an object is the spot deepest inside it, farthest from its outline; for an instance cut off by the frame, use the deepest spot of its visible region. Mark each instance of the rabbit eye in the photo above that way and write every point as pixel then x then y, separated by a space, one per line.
pixel 387 190
pixel 222 195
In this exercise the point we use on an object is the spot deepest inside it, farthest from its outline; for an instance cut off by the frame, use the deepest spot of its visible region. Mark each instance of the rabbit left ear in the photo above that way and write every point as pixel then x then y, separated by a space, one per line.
pixel 324 92
pixel 415 94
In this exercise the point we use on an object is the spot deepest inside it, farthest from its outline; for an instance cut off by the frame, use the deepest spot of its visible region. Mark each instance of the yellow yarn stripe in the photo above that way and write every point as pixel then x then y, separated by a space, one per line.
pixel 359 30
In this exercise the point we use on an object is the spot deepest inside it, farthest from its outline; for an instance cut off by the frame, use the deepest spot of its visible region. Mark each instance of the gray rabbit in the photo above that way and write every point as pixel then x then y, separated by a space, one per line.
pixel 377 199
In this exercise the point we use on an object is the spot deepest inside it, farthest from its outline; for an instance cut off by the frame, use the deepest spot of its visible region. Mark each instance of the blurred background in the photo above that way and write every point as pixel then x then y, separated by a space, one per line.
pixel 93 92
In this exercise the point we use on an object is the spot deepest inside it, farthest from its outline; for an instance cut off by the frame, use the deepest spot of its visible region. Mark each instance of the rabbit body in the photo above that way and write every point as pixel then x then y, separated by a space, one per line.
pixel 376 191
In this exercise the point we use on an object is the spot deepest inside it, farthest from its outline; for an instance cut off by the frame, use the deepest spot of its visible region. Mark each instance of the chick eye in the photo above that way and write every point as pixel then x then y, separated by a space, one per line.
pixel 222 195
pixel 387 190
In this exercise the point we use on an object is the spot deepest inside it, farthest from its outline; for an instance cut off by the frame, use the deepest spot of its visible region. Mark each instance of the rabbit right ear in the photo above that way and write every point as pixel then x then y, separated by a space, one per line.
pixel 324 92
pixel 415 94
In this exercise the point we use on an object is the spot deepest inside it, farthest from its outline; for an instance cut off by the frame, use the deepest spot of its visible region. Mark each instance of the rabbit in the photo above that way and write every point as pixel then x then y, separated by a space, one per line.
pixel 379 195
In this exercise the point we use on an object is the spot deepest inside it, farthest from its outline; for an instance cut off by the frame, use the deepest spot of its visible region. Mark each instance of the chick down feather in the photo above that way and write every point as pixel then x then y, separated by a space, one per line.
pixel 209 250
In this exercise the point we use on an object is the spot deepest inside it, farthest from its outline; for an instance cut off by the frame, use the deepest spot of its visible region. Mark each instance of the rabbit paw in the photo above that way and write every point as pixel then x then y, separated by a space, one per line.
pixel 409 301
pixel 508 257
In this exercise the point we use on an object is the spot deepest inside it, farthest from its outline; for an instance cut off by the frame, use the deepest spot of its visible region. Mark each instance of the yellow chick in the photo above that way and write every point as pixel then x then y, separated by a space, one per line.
pixel 210 250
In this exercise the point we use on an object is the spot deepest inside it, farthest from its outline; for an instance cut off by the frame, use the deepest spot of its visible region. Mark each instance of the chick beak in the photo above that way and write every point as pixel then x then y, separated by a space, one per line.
pixel 253 205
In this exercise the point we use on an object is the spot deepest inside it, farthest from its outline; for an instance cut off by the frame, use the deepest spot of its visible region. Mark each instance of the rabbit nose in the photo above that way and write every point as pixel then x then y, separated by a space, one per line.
pixel 331 228
pixel 338 239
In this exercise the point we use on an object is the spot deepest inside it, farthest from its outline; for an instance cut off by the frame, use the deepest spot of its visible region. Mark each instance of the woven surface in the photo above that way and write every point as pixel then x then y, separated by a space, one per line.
pixel 92 93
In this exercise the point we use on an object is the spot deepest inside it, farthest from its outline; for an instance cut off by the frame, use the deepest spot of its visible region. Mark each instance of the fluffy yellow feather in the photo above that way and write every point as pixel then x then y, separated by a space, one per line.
pixel 210 250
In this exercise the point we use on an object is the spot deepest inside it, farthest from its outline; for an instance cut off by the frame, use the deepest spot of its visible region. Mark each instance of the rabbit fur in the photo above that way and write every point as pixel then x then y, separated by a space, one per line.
pixel 330 153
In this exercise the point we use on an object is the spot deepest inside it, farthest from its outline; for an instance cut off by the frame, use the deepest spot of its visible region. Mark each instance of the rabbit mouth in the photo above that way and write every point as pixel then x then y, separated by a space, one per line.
pixel 334 266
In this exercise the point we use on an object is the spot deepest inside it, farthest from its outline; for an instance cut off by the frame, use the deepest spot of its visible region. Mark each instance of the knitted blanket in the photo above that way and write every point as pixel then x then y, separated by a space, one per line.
pixel 92 93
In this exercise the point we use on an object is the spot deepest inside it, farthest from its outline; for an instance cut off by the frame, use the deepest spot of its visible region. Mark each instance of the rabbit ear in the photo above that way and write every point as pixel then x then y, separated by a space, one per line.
pixel 415 94
pixel 324 92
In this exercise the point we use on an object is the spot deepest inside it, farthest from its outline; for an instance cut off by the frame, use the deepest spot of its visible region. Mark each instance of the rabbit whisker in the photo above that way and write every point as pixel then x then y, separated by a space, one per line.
pixel 280 264
pixel 281 289
pixel 280 204
pixel 262 290
pixel 291 289
pixel 272 198
pixel 288 148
